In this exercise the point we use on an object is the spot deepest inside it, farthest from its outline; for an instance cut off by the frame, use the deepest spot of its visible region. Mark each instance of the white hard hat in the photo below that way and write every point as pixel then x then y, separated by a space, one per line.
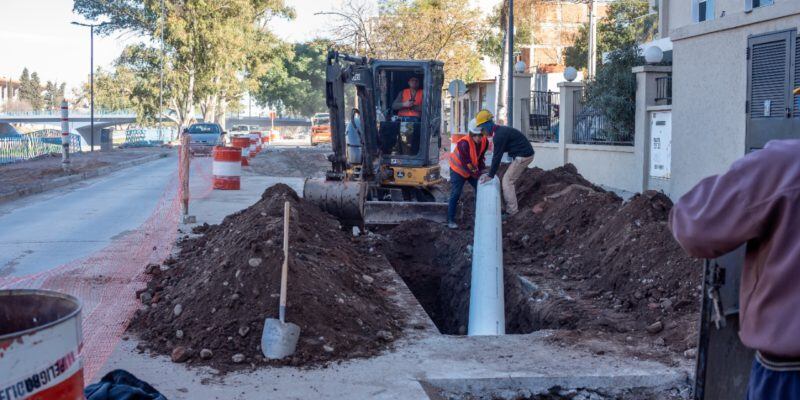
pixel 473 127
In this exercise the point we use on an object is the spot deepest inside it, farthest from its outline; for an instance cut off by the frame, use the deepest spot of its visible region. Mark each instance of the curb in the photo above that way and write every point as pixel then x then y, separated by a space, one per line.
pixel 66 180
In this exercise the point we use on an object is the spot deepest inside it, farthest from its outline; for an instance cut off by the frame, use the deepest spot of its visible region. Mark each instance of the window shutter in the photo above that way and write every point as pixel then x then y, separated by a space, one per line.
pixel 768 82
pixel 796 83
pixel 695 11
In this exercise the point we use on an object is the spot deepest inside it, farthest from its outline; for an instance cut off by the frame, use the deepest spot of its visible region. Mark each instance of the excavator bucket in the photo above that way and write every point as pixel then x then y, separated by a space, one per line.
pixel 395 212
pixel 343 199
pixel 346 200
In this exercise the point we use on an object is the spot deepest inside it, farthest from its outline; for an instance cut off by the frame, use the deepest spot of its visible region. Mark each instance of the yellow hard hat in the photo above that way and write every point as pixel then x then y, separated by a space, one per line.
pixel 482 117
pixel 796 91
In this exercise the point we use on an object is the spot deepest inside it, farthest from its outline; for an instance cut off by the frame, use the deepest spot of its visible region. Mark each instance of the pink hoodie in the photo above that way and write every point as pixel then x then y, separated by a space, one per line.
pixel 756 202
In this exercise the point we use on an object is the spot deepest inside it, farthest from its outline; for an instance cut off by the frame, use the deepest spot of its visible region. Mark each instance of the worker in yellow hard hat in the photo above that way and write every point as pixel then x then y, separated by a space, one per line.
pixel 506 140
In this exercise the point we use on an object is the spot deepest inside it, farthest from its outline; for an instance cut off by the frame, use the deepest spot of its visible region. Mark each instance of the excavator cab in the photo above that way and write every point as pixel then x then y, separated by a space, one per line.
pixel 385 161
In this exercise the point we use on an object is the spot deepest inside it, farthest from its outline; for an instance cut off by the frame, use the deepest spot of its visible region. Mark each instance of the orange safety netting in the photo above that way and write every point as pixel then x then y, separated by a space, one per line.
pixel 106 281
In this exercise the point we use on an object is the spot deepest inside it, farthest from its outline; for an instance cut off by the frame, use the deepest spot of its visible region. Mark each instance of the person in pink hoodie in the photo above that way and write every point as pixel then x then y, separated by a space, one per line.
pixel 756 202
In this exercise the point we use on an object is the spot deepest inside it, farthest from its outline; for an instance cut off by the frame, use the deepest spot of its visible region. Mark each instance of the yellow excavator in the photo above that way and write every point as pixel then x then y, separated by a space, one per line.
pixel 384 166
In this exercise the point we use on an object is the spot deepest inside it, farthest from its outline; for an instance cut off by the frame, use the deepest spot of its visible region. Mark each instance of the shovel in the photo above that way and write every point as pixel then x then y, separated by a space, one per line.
pixel 279 338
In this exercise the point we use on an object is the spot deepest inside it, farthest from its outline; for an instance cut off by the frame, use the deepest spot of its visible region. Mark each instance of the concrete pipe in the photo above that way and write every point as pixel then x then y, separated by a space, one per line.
pixel 343 199
pixel 487 301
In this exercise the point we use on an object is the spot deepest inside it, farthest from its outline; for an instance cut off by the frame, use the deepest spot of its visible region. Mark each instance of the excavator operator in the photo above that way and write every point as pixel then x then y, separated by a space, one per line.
pixel 408 103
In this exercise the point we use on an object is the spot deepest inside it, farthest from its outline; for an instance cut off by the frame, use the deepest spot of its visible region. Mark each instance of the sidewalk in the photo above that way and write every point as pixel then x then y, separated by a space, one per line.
pixel 36 176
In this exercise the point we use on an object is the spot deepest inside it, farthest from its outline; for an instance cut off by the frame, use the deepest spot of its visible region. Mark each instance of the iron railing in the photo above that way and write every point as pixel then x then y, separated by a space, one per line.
pixel 664 90
pixel 592 127
pixel 542 122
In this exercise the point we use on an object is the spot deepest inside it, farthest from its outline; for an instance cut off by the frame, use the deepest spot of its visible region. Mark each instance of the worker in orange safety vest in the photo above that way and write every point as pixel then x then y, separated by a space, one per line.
pixel 409 101
pixel 466 165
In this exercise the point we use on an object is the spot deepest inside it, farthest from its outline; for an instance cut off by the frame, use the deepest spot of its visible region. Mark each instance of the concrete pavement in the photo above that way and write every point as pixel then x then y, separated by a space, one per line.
pixel 44 231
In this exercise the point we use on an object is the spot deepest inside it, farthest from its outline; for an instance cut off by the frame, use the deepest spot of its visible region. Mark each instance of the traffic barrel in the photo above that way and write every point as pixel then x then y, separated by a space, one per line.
pixel 40 338
pixel 243 143
pixel 227 168
pixel 255 143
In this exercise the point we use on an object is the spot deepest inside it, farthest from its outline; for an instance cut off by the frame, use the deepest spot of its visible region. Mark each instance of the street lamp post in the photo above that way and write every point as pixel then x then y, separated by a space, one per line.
pixel 91 77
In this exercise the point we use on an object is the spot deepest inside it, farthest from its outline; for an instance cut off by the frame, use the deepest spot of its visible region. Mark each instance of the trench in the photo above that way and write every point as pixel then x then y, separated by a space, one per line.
pixel 435 263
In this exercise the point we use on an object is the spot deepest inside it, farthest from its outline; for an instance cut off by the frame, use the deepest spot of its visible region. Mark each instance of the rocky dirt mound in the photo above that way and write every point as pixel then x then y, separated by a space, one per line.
pixel 208 305
pixel 577 257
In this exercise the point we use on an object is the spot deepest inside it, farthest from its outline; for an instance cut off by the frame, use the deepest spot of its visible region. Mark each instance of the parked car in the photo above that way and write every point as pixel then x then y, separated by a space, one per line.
pixel 204 136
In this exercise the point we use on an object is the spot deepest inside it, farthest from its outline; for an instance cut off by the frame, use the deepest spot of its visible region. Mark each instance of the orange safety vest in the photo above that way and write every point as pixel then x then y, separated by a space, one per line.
pixel 455 162
pixel 410 112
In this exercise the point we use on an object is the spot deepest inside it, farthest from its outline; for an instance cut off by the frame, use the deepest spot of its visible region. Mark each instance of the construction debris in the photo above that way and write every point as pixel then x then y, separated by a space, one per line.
pixel 224 295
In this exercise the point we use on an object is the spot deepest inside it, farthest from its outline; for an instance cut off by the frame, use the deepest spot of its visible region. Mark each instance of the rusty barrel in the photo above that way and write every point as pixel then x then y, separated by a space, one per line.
pixel 40 337
pixel 242 142
pixel 226 168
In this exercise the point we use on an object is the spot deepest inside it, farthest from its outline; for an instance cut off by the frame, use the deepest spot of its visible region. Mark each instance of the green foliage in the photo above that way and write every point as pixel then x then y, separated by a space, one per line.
pixel 295 79
pixel 53 95
pixel 213 51
pixel 628 22
pixel 490 41
pixel 30 90
pixel 613 91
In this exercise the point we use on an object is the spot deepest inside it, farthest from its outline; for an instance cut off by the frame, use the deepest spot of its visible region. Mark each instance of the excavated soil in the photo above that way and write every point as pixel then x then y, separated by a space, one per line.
pixel 577 258
pixel 217 291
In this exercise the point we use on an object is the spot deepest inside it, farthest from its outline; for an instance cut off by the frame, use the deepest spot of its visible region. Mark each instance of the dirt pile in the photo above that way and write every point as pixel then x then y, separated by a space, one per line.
pixel 208 305
pixel 577 257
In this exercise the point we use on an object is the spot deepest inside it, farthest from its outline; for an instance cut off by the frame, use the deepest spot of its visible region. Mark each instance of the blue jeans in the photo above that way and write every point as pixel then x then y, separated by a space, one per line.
pixel 456 187
pixel 767 384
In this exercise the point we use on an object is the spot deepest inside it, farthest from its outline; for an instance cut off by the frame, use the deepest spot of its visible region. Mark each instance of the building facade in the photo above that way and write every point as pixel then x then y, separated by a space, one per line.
pixel 735 63
pixel 9 91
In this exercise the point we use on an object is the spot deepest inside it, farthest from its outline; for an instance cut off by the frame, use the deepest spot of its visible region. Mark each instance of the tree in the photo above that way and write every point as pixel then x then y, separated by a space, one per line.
pixel 53 95
pixel 295 80
pixel 30 89
pixel 613 91
pixel 628 22
pixel 209 48
pixel 491 38
pixel 444 30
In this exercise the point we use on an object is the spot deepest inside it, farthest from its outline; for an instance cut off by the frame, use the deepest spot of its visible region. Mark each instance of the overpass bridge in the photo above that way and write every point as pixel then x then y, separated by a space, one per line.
pixel 80 122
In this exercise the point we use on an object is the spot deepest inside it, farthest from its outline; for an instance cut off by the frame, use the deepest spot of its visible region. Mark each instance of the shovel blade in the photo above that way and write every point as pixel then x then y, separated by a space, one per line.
pixel 279 339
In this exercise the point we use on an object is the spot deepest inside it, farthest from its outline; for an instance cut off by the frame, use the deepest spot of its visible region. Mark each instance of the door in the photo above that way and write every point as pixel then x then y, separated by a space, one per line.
pixel 771 77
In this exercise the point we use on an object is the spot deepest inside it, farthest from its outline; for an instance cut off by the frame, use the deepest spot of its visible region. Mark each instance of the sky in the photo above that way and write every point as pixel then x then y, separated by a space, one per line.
pixel 37 34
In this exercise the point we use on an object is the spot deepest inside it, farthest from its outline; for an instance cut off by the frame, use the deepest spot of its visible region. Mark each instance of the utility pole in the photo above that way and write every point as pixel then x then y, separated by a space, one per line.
pixel 510 92
pixel 91 76
pixel 592 53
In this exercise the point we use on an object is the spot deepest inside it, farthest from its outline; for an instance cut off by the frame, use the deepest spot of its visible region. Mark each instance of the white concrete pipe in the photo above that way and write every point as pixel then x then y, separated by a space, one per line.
pixel 486 298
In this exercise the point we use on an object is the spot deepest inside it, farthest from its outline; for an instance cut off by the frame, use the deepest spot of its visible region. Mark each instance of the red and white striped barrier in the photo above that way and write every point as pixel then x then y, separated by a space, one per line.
pixel 40 337
pixel 227 168
pixel 255 143
pixel 242 142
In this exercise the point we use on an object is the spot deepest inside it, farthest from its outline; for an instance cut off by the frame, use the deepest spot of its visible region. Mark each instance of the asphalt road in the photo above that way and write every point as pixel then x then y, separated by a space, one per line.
pixel 44 231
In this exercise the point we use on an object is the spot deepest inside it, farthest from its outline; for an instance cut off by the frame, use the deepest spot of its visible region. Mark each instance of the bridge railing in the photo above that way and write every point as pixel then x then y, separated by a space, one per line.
pixel 21 148
pixel 72 113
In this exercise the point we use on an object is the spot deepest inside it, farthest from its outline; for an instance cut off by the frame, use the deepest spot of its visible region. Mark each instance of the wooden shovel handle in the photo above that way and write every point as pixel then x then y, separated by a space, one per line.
pixel 285 269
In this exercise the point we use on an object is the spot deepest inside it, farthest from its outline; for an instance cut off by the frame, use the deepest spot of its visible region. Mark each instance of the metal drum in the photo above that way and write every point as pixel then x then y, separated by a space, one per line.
pixel 40 337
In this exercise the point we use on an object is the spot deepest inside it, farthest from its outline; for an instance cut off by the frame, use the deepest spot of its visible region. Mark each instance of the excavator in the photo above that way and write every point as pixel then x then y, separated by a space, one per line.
pixel 384 167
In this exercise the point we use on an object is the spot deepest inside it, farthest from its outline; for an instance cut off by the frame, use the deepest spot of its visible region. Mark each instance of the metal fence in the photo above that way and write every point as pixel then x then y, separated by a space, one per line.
pixel 664 90
pixel 21 148
pixel 591 126
pixel 541 123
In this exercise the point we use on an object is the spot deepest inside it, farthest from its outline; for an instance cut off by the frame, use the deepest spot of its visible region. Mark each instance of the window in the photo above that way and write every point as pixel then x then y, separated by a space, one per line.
pixel 703 10
pixel 749 5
